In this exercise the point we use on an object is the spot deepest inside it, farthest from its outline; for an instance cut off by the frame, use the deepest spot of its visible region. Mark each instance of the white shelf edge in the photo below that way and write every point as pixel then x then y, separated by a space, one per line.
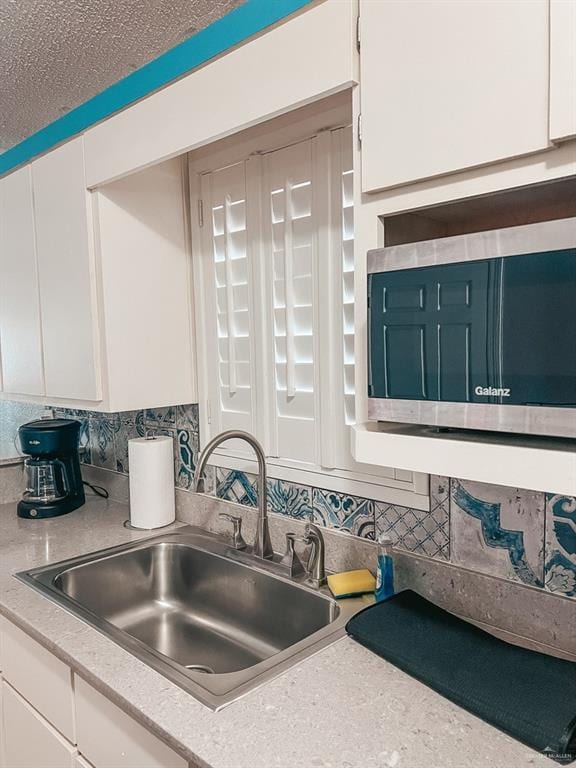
pixel 502 463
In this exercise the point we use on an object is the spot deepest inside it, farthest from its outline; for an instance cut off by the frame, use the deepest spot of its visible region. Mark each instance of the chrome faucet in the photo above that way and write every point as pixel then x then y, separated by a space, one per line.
pixel 262 545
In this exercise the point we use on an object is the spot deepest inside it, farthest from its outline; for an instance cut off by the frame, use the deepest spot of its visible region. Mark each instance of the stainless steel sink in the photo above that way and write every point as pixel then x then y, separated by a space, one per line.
pixel 205 615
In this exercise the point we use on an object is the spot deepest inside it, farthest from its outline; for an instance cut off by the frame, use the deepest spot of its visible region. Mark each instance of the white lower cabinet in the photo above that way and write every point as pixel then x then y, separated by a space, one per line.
pixel 110 738
pixel 29 739
pixel 50 718
pixel 41 678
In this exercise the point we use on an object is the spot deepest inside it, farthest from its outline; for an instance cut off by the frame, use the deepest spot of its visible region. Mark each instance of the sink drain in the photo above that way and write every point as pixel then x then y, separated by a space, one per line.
pixel 200 668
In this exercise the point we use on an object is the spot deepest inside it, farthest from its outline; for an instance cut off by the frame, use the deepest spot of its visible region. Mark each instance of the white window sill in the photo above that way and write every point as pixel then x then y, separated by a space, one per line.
pixel 413 493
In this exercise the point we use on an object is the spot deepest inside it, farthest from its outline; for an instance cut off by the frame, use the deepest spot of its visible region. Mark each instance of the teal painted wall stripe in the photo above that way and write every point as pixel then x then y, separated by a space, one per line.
pixel 230 30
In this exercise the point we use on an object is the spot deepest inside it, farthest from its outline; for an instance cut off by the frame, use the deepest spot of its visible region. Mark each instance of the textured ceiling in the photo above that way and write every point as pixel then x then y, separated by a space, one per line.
pixel 56 54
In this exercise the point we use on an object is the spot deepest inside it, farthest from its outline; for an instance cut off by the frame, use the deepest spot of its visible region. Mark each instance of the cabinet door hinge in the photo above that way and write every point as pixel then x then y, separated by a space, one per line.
pixel 360 129
pixel 200 213
pixel 358 32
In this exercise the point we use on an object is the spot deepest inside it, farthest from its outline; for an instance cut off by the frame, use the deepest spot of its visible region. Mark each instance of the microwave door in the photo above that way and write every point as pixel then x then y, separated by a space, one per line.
pixel 434 334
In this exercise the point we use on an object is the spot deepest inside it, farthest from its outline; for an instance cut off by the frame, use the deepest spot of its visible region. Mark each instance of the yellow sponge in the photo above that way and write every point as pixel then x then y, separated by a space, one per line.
pixel 351 583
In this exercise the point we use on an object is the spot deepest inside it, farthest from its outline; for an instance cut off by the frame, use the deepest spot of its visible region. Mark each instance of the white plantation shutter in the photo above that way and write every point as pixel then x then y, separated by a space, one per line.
pixel 275 299
pixel 278 295
pixel 289 222
pixel 344 148
pixel 226 271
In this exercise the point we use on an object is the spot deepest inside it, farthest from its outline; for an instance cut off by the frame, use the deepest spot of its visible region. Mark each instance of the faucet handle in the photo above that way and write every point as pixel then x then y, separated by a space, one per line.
pixel 237 538
pixel 316 569
pixel 291 538
pixel 290 559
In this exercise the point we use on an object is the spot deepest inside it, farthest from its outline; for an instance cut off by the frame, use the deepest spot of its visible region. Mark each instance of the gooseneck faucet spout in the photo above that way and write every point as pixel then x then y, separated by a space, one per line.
pixel 262 545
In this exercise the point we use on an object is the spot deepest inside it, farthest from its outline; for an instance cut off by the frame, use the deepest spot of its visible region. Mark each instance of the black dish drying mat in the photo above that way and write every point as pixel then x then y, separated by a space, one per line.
pixel 528 695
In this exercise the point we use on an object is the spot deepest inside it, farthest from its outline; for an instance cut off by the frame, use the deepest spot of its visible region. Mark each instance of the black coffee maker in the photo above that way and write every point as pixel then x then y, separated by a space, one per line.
pixel 51 468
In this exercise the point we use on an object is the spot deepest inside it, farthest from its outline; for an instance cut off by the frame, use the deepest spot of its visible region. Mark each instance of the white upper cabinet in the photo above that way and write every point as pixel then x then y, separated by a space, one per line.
pixel 95 294
pixel 144 268
pixel 447 86
pixel 562 69
pixel 20 330
pixel 66 274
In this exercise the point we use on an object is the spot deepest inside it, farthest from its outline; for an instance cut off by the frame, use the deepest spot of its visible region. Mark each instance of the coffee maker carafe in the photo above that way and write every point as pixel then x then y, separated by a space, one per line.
pixel 51 468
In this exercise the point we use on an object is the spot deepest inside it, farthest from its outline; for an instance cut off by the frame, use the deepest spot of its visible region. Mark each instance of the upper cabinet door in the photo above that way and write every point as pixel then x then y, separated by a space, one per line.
pixel 562 69
pixel 66 274
pixel 20 330
pixel 447 86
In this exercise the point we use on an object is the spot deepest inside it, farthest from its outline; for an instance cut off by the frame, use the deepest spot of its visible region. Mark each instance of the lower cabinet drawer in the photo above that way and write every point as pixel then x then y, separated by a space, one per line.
pixel 109 738
pixel 41 678
pixel 29 740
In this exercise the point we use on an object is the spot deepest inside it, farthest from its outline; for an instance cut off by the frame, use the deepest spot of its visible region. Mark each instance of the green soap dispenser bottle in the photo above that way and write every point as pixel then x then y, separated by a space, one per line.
pixel 385 574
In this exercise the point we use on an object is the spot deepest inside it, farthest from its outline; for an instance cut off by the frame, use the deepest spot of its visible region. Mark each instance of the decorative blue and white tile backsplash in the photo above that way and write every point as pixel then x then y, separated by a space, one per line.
pixel 510 533
pixel 427 533
pixel 560 566
pixel 498 531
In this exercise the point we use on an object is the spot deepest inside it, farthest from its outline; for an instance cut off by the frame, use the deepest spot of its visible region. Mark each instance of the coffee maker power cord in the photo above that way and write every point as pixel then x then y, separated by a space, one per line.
pixel 97 489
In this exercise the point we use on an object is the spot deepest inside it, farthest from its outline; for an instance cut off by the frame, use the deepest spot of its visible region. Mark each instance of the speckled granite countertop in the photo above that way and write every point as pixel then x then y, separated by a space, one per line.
pixel 8 461
pixel 341 708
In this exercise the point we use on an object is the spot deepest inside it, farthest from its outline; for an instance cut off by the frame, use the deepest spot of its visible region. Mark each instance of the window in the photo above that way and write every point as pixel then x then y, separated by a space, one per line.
pixel 275 298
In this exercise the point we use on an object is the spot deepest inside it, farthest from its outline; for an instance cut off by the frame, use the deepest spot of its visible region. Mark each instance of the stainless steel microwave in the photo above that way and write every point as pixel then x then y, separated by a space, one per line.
pixel 476 331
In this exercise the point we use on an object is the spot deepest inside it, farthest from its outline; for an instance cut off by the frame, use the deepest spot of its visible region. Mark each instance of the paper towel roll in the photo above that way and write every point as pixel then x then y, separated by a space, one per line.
pixel 152 497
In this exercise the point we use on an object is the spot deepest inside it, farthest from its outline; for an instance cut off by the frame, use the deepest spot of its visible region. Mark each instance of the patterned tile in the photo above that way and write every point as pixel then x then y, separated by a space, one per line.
pixel 186 450
pixel 560 566
pixel 346 513
pixel 440 495
pixel 160 417
pixel 498 530
pixel 102 429
pixel 233 485
pixel 187 417
pixel 210 480
pixel 130 425
pixel 289 499
pixel 416 530
pixel 84 445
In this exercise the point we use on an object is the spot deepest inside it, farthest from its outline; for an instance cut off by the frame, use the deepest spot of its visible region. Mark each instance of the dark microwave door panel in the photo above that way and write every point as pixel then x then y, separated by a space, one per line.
pixel 438 333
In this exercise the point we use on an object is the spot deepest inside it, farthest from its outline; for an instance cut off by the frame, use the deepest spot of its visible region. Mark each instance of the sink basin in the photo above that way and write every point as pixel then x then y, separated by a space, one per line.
pixel 208 617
